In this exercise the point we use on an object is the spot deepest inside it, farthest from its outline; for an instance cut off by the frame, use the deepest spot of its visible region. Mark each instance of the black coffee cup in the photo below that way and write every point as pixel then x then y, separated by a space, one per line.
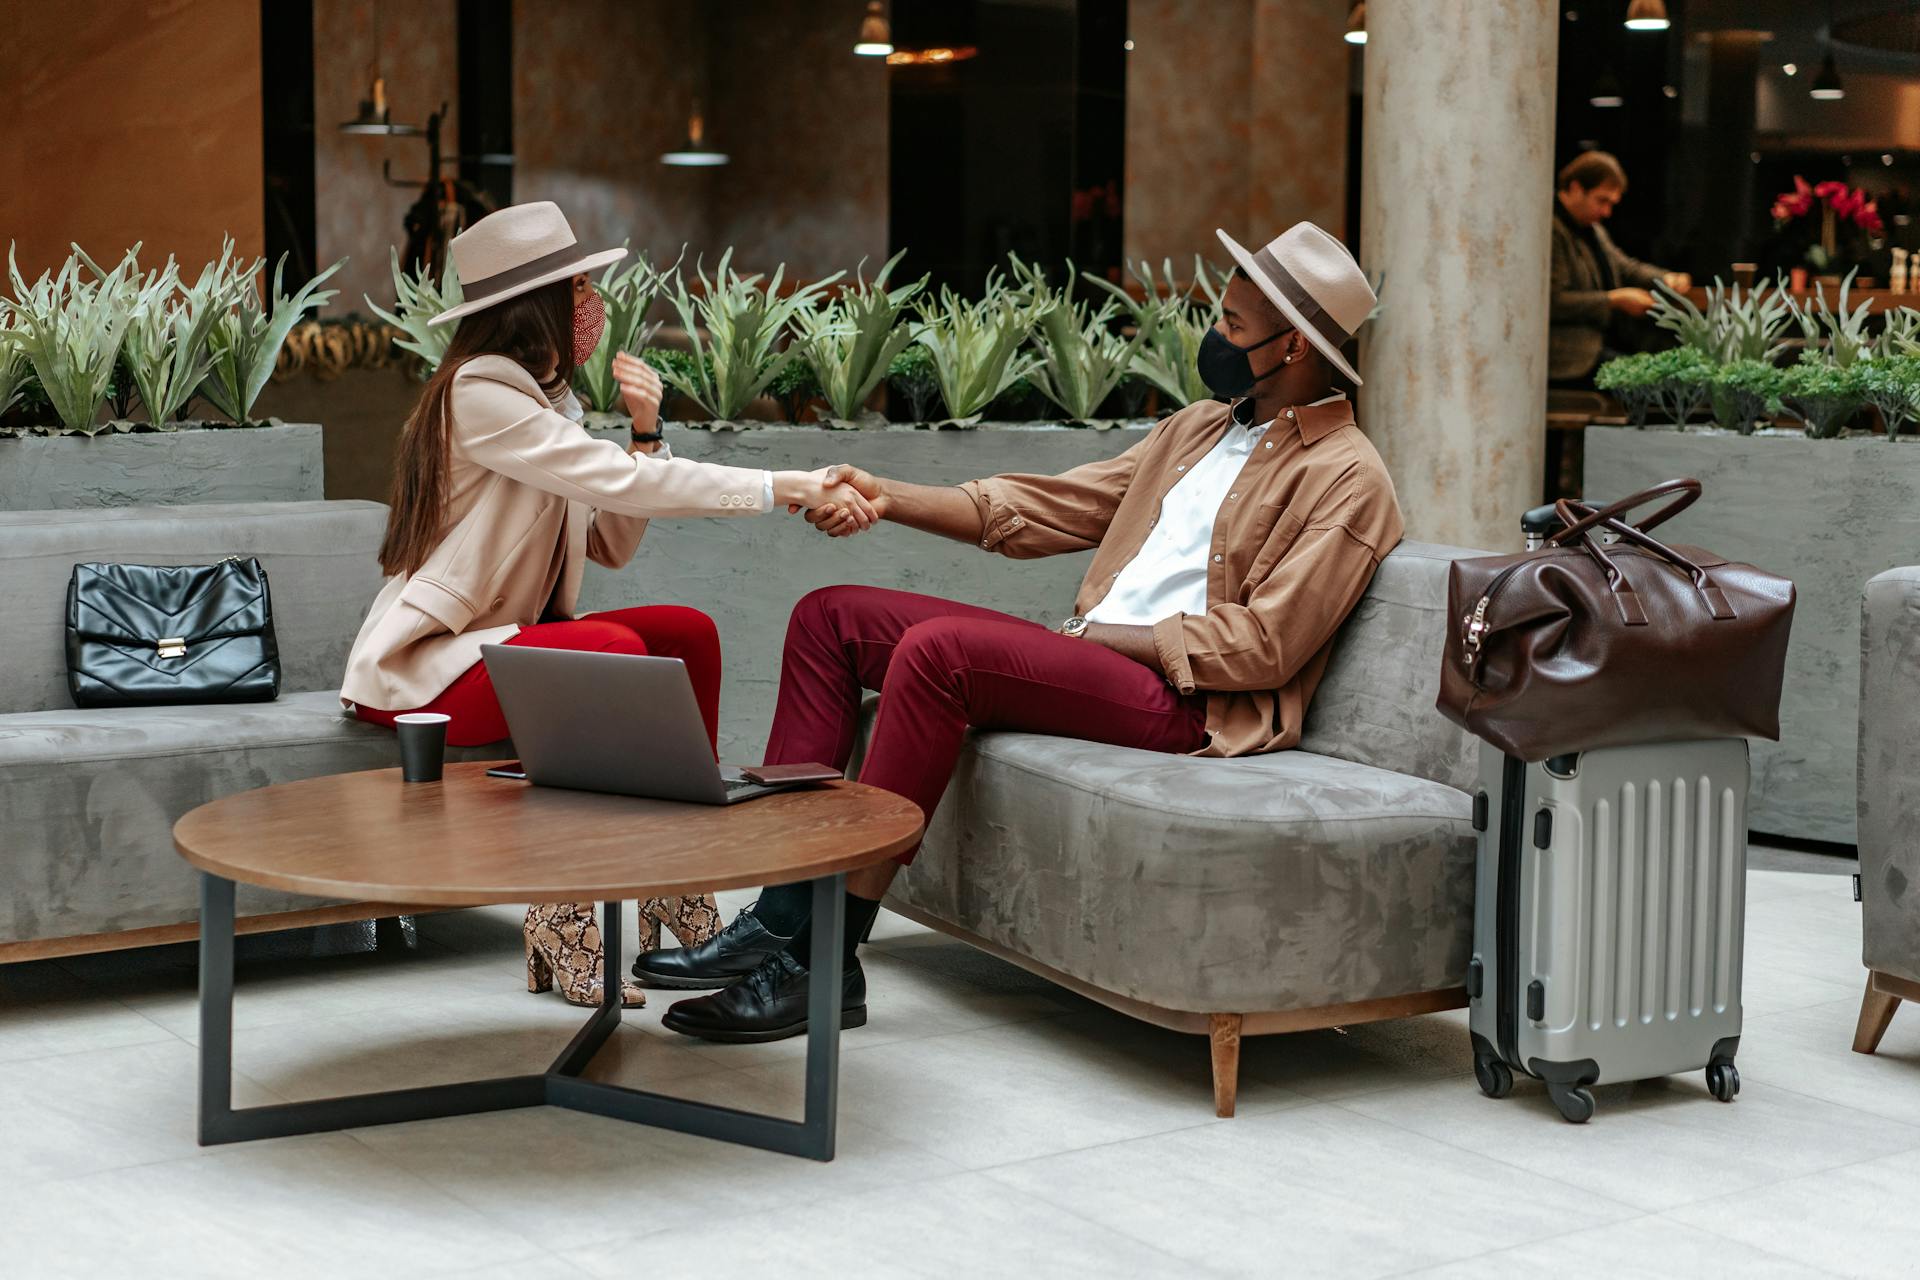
pixel 423 745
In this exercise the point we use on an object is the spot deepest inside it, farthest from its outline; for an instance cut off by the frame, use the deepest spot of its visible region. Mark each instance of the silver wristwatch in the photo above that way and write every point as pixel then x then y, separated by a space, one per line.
pixel 1074 626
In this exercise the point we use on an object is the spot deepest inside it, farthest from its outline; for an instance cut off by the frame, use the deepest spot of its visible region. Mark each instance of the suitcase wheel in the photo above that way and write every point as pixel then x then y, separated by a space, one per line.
pixel 1575 1104
pixel 1723 1081
pixel 1495 1077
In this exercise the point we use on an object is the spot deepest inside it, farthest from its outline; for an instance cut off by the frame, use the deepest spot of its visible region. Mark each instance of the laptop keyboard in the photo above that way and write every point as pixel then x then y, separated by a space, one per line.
pixel 737 784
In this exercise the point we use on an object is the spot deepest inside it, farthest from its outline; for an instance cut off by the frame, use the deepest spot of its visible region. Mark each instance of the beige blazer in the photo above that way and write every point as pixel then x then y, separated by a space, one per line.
pixel 531 497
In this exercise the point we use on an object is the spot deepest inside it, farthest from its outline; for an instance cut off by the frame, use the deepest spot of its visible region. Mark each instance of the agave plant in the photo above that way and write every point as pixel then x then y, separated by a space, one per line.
pixel 1081 358
pixel 1844 331
pixel 71 330
pixel 418 300
pixel 1735 325
pixel 1899 334
pixel 629 292
pixel 247 335
pixel 14 368
pixel 851 342
pixel 168 352
pixel 976 346
pixel 1175 321
pixel 744 322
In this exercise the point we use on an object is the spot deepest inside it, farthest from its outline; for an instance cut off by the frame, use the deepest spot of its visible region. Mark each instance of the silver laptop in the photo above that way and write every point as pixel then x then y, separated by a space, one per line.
pixel 611 722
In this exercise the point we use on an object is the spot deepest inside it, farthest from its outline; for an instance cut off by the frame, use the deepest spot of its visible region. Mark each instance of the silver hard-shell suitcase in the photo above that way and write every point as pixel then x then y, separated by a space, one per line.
pixel 1609 917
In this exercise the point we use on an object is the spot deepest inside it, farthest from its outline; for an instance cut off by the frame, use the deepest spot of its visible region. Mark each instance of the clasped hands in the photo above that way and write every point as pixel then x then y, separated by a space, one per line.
pixel 839 501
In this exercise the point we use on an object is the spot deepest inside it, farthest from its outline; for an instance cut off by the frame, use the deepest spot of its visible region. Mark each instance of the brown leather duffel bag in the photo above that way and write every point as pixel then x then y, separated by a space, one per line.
pixel 1582 644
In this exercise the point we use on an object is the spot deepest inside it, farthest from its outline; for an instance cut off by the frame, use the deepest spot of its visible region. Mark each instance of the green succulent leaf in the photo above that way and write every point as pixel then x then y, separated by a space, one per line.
pixel 735 328
pixel 976 346
pixel 851 342
pixel 71 330
pixel 247 337
pixel 417 300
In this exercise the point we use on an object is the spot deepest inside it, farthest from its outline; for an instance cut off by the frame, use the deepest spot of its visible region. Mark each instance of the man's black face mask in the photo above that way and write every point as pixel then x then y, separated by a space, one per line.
pixel 1225 367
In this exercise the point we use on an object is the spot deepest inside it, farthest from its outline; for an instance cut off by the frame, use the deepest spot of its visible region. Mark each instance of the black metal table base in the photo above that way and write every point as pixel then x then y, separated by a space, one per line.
pixel 559 1086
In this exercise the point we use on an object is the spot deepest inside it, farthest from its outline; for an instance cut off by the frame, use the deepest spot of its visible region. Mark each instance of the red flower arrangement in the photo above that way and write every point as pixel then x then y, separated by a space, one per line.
pixel 1840 208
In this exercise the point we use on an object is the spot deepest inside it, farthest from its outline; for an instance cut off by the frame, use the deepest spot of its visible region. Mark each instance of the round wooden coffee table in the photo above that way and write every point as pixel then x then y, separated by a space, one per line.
pixel 471 840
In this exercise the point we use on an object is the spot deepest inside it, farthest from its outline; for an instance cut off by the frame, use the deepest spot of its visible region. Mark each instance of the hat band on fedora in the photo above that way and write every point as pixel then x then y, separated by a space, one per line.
pixel 1305 303
pixel 514 277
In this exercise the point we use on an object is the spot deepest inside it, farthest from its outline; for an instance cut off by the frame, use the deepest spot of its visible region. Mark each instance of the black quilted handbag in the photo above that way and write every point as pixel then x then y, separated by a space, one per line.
pixel 150 635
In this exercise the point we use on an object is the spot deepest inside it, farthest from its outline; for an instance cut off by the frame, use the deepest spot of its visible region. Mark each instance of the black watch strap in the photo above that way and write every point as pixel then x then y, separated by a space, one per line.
pixel 648 437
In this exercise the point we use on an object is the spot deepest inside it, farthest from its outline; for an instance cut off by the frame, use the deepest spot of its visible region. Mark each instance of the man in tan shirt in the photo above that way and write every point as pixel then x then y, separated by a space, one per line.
pixel 1228 546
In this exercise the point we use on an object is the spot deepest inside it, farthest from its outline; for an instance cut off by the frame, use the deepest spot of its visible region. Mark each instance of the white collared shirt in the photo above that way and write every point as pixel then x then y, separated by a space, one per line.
pixel 1168 575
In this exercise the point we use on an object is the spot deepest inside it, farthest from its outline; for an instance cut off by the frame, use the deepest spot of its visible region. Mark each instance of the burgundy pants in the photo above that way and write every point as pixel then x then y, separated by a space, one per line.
pixel 664 630
pixel 941 667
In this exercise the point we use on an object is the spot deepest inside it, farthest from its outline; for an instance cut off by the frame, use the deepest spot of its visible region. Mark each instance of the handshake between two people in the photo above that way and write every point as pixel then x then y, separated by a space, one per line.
pixel 839 500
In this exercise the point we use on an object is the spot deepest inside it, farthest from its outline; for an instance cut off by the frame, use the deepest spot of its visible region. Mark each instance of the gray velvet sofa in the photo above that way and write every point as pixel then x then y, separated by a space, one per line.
pixel 88 798
pixel 1319 887
pixel 1889 799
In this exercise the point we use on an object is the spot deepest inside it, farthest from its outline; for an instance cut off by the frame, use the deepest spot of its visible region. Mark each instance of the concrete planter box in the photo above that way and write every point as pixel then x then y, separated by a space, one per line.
pixel 748 572
pixel 1828 514
pixel 230 464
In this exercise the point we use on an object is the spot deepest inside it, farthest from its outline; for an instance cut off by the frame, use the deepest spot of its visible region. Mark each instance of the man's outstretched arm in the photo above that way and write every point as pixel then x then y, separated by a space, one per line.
pixel 930 508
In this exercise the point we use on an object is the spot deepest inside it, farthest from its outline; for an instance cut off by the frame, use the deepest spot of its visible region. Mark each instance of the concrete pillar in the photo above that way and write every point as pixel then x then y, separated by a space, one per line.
pixel 1457 180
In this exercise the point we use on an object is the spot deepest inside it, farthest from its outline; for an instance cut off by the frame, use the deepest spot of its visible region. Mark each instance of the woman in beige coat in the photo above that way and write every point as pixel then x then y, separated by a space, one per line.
pixel 499 499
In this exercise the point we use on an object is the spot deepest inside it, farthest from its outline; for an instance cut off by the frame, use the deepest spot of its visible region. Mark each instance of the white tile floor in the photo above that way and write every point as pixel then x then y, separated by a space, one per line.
pixel 991 1124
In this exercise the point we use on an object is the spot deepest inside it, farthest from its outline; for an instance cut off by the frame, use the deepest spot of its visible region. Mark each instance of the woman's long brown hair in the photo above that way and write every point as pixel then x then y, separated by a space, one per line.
pixel 535 330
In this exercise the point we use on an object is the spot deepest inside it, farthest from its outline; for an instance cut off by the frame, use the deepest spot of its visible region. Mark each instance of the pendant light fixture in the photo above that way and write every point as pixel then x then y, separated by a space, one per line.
pixel 373 117
pixel 1606 91
pixel 1647 15
pixel 876 37
pixel 1357 23
pixel 695 154
pixel 1826 85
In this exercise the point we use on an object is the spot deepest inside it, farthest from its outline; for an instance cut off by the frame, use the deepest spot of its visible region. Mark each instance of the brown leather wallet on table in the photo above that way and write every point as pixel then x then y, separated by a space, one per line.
pixel 776 775
pixel 1581 644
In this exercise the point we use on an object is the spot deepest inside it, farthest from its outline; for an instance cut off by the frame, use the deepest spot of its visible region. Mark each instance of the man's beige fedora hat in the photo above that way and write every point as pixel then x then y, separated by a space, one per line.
pixel 514 250
pixel 1314 281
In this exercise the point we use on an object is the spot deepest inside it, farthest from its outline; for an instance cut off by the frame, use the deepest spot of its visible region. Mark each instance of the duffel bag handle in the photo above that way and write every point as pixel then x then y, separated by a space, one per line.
pixel 1579 517
pixel 1589 518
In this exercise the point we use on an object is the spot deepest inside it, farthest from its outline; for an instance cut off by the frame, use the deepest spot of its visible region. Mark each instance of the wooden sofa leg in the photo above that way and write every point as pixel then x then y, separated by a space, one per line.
pixel 1223 1031
pixel 1876 1011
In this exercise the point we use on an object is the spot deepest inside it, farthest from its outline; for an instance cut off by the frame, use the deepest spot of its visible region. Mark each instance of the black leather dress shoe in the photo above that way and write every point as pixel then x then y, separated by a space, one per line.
pixel 768 1004
pixel 720 961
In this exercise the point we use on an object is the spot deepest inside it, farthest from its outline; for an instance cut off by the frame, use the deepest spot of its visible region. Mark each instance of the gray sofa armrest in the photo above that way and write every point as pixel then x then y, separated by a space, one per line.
pixel 1889 787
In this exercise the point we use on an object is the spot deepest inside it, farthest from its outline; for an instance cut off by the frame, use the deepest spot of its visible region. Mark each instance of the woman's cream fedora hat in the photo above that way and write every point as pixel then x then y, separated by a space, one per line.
pixel 514 250
pixel 1314 282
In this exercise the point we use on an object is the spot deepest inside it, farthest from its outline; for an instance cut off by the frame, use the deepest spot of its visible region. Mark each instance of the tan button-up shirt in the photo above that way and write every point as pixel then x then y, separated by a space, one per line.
pixel 1294 547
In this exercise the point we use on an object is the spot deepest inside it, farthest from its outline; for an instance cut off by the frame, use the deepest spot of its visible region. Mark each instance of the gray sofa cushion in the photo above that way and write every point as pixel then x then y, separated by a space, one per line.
pixel 1376 703
pixel 88 799
pixel 319 558
pixel 1291 880
pixel 1889 796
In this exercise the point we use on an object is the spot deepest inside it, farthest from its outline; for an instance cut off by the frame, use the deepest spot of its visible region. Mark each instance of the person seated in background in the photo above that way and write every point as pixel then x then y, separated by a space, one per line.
pixel 1229 546
pixel 1595 285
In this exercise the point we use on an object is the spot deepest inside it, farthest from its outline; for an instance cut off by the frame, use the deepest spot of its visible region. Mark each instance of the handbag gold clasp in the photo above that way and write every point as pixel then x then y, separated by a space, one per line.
pixel 172 646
